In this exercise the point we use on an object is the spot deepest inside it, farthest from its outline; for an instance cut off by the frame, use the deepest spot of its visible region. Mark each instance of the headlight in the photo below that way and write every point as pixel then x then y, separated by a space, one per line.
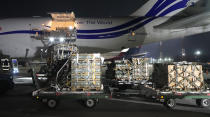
pixel 61 39
pixel 102 87
pixel 15 70
pixel 34 93
pixel 70 27
pixel 51 39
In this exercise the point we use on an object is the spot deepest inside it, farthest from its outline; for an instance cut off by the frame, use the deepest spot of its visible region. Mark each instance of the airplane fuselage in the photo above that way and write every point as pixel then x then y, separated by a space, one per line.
pixel 98 34
pixel 93 34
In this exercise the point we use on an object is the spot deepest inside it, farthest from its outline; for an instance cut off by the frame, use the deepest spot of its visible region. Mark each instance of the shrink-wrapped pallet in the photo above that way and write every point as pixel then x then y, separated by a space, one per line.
pixel 123 70
pixel 160 76
pixel 135 70
pixel 86 72
pixel 142 69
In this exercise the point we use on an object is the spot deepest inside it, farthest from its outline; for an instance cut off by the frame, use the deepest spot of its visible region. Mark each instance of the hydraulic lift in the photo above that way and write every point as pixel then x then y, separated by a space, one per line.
pixel 59 41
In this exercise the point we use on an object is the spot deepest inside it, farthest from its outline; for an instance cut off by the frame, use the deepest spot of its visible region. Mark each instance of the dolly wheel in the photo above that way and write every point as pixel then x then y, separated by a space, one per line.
pixel 52 103
pixel 205 102
pixel 170 103
pixel 90 103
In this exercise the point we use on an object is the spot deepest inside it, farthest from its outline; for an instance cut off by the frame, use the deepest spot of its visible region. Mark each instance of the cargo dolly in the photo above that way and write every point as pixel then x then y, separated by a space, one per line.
pixel 169 98
pixel 52 98
pixel 51 95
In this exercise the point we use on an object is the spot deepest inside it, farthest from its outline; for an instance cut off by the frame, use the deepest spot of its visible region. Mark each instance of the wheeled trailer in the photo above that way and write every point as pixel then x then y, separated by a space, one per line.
pixel 52 98
pixel 169 98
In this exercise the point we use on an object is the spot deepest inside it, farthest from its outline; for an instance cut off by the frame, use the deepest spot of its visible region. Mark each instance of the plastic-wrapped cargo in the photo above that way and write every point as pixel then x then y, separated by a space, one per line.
pixel 142 69
pixel 86 72
pixel 178 77
pixel 160 76
pixel 123 70
pixel 135 70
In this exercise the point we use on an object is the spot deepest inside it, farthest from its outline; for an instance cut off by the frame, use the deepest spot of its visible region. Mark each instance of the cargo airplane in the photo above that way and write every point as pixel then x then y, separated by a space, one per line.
pixel 154 21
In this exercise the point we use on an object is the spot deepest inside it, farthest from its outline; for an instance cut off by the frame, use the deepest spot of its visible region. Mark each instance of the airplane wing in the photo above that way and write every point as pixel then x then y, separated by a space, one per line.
pixel 140 54
pixel 200 20
pixel 195 16
pixel 183 27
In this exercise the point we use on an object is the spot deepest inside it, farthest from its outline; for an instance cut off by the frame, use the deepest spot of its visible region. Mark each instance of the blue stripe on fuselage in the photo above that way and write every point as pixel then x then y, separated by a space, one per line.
pixel 177 6
pixel 157 8
pixel 151 11
pixel 161 6
pixel 115 34
pixel 20 32
pixel 154 11
pixel 128 24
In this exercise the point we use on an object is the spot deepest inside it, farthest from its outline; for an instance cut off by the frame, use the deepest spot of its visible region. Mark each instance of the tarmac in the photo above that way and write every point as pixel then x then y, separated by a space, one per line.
pixel 19 103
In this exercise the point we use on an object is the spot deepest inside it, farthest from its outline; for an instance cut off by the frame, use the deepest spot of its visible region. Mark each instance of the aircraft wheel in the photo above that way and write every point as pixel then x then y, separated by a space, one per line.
pixel 170 103
pixel 90 103
pixel 52 103
pixel 203 102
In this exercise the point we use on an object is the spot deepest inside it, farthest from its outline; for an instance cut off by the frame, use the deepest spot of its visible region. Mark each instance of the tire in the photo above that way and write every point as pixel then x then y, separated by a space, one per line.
pixel 90 103
pixel 52 103
pixel 170 103
pixel 205 103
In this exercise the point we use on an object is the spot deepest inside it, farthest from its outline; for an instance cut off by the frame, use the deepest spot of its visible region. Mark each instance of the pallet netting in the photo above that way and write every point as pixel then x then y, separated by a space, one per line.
pixel 142 69
pixel 178 77
pixel 185 77
pixel 123 70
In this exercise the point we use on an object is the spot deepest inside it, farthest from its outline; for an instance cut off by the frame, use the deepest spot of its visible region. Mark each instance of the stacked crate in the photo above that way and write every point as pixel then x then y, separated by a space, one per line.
pixel 178 77
pixel 123 70
pixel 130 71
pixel 86 72
pixel 185 77
pixel 141 69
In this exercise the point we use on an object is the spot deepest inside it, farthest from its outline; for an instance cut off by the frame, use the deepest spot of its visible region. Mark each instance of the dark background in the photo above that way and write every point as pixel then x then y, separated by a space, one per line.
pixel 173 48
pixel 85 8
pixel 105 8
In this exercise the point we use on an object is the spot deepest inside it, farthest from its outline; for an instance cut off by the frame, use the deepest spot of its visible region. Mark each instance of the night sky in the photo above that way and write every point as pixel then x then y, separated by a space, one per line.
pixel 103 8
pixel 173 48
pixel 84 8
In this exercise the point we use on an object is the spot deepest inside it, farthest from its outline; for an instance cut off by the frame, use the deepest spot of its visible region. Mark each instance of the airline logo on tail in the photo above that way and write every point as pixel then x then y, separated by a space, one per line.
pixel 164 7
pixel 160 8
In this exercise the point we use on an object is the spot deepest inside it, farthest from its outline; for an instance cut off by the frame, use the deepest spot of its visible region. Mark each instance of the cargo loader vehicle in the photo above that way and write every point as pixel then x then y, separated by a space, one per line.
pixel 67 73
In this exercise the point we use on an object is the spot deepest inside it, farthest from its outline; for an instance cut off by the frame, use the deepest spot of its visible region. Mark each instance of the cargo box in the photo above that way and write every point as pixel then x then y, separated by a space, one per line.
pixel 142 69
pixel 135 70
pixel 178 77
pixel 86 72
